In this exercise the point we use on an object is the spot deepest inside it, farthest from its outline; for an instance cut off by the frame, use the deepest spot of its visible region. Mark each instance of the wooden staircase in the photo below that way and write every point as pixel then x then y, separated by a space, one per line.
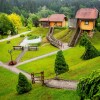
pixel 75 37
pixel 52 40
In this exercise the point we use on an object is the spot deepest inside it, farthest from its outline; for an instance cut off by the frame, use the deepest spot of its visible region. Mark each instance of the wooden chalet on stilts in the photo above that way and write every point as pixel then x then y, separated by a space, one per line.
pixel 86 19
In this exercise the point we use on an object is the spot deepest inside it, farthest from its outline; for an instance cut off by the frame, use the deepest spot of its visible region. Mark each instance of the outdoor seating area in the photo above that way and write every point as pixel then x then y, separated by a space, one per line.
pixel 18 48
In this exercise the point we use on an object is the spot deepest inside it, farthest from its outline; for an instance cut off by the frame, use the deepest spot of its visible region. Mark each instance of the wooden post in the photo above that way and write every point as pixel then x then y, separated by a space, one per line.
pixel 32 77
pixel 42 78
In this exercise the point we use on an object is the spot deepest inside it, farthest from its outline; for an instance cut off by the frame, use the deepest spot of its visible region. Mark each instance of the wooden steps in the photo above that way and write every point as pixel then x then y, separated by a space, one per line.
pixel 75 37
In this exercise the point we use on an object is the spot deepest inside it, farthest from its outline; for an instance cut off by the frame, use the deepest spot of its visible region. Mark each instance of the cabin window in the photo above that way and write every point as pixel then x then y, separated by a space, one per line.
pixel 86 22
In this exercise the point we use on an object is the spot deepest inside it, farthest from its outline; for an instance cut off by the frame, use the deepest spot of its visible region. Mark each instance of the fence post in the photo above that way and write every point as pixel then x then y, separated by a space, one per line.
pixel 42 78
pixel 32 77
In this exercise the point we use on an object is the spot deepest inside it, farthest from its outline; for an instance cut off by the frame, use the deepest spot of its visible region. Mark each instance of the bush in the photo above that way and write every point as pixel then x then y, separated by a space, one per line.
pixel 32 37
pixel 89 88
pixel 60 64
pixel 22 35
pixel 29 34
pixel 23 84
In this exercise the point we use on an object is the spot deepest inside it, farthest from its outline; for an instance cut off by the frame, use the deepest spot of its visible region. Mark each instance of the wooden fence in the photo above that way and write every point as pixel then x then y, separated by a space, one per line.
pixel 40 78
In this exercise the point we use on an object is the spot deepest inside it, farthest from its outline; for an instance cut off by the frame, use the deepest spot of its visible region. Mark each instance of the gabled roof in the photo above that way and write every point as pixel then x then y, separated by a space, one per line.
pixel 87 13
pixel 54 17
pixel 57 17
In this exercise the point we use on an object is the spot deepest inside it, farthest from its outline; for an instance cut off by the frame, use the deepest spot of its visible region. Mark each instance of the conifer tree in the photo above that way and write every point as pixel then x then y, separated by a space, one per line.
pixel 60 64
pixel 23 84
pixel 90 50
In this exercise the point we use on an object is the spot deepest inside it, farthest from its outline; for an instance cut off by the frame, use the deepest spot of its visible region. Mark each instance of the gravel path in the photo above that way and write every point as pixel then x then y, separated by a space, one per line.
pixel 21 55
pixel 12 37
pixel 62 84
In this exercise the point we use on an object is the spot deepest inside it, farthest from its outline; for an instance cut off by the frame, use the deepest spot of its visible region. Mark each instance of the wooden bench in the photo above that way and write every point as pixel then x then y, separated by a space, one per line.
pixel 30 48
pixel 18 47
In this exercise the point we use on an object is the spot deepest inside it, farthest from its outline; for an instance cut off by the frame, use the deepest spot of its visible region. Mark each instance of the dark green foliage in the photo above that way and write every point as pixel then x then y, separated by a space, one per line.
pixel 6 25
pixel 22 35
pixel 35 20
pixel 90 50
pixel 60 64
pixel 68 7
pixel 23 84
pixel 98 24
pixel 89 88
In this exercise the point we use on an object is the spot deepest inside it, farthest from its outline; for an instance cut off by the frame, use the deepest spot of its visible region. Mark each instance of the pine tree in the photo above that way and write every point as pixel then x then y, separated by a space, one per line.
pixel 60 64
pixel 23 84
pixel 90 50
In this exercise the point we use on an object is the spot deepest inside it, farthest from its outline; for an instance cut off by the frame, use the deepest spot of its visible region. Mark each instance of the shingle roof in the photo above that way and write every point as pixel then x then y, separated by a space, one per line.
pixel 87 13
pixel 55 18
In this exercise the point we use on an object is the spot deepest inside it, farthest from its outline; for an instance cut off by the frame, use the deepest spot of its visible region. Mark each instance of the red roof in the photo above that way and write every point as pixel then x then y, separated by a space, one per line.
pixel 55 18
pixel 87 13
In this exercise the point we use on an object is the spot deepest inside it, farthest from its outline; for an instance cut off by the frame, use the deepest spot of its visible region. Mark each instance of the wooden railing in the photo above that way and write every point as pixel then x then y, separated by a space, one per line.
pixel 52 40
pixel 75 37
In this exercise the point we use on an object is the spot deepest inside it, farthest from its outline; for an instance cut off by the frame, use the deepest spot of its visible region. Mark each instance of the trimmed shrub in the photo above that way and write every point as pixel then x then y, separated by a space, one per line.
pixel 22 35
pixel 89 88
pixel 60 64
pixel 32 37
pixel 23 84
pixel 29 34
pixel 90 50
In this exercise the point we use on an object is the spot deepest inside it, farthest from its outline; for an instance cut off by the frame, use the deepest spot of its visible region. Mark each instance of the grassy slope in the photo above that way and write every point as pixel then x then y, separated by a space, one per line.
pixel 78 67
pixel 64 35
pixel 42 49
pixel 22 29
pixel 8 81
pixel 4 47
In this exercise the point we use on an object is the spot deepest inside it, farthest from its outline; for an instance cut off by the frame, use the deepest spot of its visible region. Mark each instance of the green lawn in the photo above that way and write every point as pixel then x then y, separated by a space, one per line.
pixel 64 35
pixel 4 47
pixel 44 31
pixel 78 67
pixel 8 82
pixel 47 64
pixel 22 29
pixel 47 48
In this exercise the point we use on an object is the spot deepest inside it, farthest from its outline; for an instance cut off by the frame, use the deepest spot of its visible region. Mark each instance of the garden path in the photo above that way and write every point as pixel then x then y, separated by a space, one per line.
pixel 64 84
pixel 12 37
pixel 21 55
pixel 43 56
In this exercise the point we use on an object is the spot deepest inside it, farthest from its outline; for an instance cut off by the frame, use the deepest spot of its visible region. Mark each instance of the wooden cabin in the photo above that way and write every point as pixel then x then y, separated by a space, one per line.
pixel 55 20
pixel 86 18
pixel 44 22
